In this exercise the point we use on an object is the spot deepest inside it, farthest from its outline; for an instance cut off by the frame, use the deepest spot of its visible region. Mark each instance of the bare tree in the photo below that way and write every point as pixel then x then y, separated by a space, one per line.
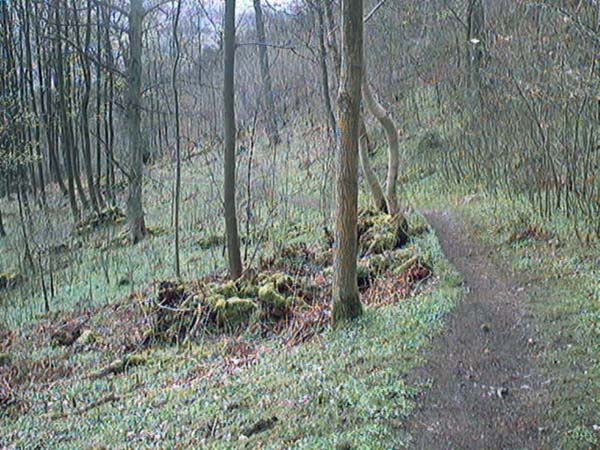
pixel 2 229
pixel 177 136
pixel 318 7
pixel 265 74
pixel 370 176
pixel 391 133
pixel 229 126
pixel 475 31
pixel 135 210
pixel 67 131
pixel 346 299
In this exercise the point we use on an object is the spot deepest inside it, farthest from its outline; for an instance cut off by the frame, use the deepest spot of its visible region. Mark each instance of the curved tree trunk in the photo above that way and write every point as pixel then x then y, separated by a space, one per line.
pixel 372 181
pixel 391 133
pixel 346 299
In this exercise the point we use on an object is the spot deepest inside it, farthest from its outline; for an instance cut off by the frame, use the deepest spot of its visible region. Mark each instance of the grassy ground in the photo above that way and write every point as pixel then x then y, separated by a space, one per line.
pixel 283 201
pixel 242 391
pixel 303 397
pixel 253 391
pixel 247 389
pixel 563 275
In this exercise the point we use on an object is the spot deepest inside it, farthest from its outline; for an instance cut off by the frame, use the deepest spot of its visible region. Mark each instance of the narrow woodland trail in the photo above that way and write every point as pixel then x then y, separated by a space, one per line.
pixel 486 388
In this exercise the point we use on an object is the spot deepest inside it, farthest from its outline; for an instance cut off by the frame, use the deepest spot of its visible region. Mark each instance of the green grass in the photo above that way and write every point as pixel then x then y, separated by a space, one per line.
pixel 284 202
pixel 346 386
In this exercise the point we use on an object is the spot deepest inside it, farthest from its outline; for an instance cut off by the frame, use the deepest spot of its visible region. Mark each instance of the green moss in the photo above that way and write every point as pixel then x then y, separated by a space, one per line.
pixel 248 290
pixel 381 242
pixel 383 232
pixel 234 311
pixel 227 290
pixel 272 303
pixel 281 281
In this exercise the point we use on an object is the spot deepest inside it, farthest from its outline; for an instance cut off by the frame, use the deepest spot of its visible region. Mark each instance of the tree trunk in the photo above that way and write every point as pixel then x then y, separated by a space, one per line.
pixel 37 122
pixel 324 71
pixel 70 89
pixel 346 300
pixel 475 38
pixel 2 229
pixel 135 211
pixel 177 137
pixel 265 74
pixel 85 102
pixel 372 181
pixel 67 137
pixel 332 30
pixel 231 227
pixel 98 122
pixel 391 133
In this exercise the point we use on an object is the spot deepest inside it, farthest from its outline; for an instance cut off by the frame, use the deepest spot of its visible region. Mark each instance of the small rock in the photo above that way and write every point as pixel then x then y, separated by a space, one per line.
pixel 486 328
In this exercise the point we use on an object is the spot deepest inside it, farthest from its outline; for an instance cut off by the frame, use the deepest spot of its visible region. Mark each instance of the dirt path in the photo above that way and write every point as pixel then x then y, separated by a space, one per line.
pixel 486 391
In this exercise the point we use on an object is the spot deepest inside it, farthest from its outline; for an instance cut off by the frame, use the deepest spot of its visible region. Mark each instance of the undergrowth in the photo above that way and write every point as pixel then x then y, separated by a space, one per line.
pixel 240 390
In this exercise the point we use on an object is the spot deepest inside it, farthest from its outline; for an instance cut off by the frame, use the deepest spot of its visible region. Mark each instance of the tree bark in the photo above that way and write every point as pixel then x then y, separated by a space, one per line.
pixel 85 102
pixel 346 299
pixel 231 226
pixel 324 71
pixel 67 137
pixel 332 30
pixel 2 229
pixel 177 137
pixel 135 210
pixel 370 176
pixel 265 74
pixel 391 133
pixel 475 39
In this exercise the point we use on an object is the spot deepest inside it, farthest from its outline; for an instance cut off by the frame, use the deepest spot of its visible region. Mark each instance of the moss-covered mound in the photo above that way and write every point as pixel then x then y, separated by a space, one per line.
pixel 381 232
pixel 179 311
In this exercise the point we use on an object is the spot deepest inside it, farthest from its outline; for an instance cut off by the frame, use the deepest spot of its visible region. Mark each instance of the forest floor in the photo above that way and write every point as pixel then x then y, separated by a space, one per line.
pixel 487 385
pixel 498 349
